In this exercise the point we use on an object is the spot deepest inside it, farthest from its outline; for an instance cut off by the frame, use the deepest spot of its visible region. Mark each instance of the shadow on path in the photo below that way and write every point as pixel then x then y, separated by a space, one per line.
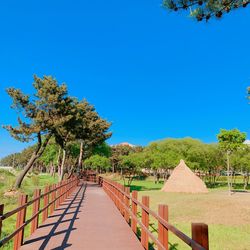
pixel 74 202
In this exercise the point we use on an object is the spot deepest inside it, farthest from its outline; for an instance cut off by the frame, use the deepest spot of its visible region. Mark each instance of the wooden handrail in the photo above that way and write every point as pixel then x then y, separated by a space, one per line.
pixel 67 187
pixel 115 193
pixel 16 210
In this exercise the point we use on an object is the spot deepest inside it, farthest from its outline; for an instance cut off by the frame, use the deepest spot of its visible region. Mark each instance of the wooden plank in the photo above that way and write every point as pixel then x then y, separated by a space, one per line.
pixel 35 209
pixel 45 203
pixel 53 197
pixel 134 211
pixel 57 195
pixel 145 222
pixel 21 216
pixel 200 235
pixel 127 201
pixel 163 231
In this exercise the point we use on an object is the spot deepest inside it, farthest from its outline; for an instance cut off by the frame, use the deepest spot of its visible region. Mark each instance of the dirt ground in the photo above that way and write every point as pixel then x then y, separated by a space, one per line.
pixel 215 207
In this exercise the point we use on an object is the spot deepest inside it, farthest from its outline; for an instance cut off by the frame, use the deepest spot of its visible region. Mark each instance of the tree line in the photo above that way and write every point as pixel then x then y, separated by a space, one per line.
pixel 229 157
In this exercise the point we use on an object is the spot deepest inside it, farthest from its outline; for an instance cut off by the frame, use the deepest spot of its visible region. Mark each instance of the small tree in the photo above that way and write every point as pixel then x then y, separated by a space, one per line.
pixel 98 163
pixel 230 141
pixel 131 166
pixel 116 156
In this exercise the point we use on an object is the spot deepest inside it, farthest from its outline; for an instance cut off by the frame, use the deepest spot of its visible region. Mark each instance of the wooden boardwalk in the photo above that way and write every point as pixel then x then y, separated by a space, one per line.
pixel 89 220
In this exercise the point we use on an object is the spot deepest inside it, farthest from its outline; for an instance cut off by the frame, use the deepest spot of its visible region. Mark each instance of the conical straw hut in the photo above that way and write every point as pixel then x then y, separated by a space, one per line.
pixel 183 180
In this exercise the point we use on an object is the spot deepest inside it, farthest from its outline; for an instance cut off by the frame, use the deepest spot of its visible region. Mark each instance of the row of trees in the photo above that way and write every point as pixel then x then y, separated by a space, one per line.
pixel 229 156
pixel 62 126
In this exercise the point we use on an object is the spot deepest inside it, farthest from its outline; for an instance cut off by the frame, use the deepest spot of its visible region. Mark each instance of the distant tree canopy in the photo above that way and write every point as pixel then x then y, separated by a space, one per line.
pixel 160 157
pixel 98 163
pixel 205 9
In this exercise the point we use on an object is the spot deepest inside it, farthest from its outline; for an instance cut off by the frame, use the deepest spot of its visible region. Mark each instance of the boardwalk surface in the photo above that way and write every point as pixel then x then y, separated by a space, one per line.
pixel 87 220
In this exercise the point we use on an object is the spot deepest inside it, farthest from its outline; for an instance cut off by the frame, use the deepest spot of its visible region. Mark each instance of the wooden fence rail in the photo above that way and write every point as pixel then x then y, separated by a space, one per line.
pixel 52 197
pixel 128 206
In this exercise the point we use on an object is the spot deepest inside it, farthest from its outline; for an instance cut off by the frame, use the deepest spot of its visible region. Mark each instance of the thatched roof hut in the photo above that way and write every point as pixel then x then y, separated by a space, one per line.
pixel 183 180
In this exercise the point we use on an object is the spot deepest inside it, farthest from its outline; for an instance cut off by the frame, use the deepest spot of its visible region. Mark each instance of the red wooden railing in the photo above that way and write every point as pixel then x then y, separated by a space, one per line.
pixel 89 175
pixel 52 197
pixel 128 206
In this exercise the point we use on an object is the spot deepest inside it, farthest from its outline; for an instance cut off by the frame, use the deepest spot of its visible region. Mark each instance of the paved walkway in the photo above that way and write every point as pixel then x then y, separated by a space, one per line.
pixel 87 220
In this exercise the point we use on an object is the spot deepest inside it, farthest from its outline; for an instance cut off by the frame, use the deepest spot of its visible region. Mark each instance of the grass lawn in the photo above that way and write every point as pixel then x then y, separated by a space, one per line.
pixel 31 182
pixel 228 217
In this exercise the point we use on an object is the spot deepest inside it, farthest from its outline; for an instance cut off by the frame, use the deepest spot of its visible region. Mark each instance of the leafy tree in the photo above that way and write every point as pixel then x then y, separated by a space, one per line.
pixel 205 9
pixel 102 149
pixel 90 130
pixel 240 162
pixel 117 152
pixel 229 142
pixel 39 116
pixel 98 162
pixel 131 166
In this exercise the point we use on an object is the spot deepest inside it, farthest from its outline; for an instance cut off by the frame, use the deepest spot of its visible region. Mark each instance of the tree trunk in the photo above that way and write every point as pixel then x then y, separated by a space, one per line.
pixel 38 152
pixel 62 165
pixel 228 174
pixel 80 157
pixel 246 180
pixel 58 163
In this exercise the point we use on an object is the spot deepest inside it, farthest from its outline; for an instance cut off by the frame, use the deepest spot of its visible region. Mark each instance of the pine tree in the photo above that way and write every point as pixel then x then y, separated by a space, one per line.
pixel 205 9
pixel 40 116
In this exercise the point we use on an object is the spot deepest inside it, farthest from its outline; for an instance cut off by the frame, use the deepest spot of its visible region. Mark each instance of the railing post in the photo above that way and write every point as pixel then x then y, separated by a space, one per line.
pixel 60 192
pixel 200 234
pixel 120 196
pixel 45 203
pixel 35 209
pixel 1 213
pixel 123 201
pixel 127 201
pixel 134 211
pixel 21 216
pixel 145 222
pixel 53 197
pixel 63 187
pixel 69 187
pixel 162 231
pixel 57 194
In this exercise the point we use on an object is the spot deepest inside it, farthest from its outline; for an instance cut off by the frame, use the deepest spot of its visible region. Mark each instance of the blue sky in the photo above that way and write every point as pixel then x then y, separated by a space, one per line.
pixel 152 73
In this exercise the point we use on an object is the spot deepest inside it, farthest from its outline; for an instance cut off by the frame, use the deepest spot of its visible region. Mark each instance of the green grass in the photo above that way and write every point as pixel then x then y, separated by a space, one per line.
pixel 228 217
pixel 31 182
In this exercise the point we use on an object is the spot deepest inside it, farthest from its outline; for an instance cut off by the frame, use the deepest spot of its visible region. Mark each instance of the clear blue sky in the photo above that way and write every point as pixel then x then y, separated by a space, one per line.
pixel 152 73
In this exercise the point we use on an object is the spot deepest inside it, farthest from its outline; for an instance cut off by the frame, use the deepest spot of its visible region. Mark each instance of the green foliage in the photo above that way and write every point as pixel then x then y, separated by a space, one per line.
pixel 102 149
pixel 205 9
pixel 117 152
pixel 231 140
pixel 50 154
pixel 167 153
pixel 52 113
pixel 44 113
pixel 98 162
pixel 35 180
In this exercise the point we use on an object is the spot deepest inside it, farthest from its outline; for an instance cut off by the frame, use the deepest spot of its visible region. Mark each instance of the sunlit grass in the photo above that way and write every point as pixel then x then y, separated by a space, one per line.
pixel 30 183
